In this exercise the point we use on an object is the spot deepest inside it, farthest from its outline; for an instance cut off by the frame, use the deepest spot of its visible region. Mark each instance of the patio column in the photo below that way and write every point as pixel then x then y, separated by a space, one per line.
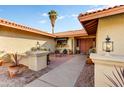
pixel 73 44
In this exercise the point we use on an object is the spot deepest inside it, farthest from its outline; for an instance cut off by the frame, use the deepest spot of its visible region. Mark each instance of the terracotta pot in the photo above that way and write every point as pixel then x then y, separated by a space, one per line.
pixel 7 64
pixel 89 61
pixel 14 70
pixel 1 61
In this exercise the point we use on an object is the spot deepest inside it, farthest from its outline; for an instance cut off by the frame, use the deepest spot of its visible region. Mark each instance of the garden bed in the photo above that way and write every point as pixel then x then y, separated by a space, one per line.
pixel 86 78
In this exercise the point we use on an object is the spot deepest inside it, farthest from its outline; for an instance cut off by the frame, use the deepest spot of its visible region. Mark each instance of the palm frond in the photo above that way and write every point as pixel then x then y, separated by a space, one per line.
pixel 117 78
pixel 112 80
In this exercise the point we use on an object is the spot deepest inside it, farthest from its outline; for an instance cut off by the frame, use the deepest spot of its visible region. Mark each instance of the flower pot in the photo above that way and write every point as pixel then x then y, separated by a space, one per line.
pixel 89 61
pixel 14 70
pixel 1 61
pixel 7 64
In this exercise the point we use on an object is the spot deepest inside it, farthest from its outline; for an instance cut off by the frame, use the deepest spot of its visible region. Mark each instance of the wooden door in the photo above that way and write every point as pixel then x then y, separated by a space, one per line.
pixel 85 44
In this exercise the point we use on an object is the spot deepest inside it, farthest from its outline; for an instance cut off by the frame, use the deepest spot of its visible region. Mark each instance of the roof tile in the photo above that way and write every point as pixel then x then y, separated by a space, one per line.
pixel 7 23
pixel 87 13
pixel 73 33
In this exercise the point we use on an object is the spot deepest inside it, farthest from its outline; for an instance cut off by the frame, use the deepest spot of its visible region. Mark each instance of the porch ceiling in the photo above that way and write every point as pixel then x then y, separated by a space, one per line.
pixel 91 26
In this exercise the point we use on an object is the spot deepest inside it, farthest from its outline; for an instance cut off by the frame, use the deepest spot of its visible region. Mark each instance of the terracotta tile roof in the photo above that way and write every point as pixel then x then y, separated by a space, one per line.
pixel 14 25
pixel 73 33
pixel 101 13
pixel 89 20
pixel 87 13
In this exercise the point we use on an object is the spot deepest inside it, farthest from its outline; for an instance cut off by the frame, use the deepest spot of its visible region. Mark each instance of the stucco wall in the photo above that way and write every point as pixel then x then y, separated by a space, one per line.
pixel 114 27
pixel 104 65
pixel 102 69
pixel 13 40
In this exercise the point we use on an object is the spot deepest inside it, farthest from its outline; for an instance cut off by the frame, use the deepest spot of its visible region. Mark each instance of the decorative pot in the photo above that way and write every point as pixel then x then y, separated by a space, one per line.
pixel 89 61
pixel 14 70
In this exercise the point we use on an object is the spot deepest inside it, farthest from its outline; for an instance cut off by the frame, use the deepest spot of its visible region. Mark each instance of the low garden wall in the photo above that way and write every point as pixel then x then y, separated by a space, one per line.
pixel 109 70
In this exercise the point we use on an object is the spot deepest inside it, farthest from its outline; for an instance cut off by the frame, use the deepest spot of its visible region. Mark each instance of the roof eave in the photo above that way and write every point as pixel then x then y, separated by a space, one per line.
pixel 87 18
pixel 100 14
pixel 24 28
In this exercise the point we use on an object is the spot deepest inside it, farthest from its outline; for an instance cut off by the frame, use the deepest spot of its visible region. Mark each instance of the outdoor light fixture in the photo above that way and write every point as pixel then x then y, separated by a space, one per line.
pixel 108 45
pixel 38 45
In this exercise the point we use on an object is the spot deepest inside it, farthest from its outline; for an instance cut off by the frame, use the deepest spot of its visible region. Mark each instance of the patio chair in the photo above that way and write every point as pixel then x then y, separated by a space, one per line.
pixel 57 53
pixel 64 52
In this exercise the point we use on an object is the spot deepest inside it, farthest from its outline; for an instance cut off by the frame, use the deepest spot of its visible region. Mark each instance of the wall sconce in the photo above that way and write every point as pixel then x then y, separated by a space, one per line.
pixel 108 45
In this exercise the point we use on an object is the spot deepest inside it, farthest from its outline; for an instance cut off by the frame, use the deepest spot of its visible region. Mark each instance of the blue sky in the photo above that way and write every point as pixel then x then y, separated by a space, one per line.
pixel 36 16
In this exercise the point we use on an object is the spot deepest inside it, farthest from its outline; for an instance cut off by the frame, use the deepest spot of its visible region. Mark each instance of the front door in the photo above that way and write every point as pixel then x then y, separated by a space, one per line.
pixel 85 44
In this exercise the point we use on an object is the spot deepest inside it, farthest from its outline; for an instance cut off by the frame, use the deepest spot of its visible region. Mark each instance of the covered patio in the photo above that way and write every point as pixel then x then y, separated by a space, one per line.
pixel 75 42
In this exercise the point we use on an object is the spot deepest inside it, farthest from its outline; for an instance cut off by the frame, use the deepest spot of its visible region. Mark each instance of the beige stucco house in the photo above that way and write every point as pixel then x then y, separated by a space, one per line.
pixel 97 25
pixel 21 38
pixel 16 37
pixel 105 22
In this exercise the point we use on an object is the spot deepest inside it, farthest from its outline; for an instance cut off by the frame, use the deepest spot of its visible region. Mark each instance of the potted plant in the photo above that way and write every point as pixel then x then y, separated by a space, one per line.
pixel 65 51
pixel 6 60
pixel 17 68
pixel 89 60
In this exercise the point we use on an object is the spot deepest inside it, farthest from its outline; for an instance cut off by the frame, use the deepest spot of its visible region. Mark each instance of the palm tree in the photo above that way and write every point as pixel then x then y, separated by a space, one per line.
pixel 53 16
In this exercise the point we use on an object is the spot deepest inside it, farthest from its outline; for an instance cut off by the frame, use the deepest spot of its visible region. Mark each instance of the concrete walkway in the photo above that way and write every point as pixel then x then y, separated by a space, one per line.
pixel 64 75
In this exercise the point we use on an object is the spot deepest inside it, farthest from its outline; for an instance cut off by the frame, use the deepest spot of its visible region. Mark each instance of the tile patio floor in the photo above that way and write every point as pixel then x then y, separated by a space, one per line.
pixel 65 75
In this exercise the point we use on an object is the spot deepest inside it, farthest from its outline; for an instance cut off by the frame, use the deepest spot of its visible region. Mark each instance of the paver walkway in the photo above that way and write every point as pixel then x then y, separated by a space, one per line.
pixel 64 75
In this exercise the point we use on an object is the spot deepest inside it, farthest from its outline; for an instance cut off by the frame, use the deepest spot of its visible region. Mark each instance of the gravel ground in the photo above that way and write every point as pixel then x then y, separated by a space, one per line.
pixel 86 78
pixel 29 75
